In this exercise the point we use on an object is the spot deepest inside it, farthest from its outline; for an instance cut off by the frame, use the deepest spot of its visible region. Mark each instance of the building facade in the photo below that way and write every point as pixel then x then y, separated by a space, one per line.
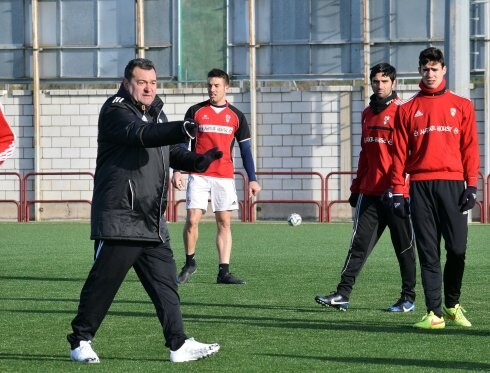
pixel 299 68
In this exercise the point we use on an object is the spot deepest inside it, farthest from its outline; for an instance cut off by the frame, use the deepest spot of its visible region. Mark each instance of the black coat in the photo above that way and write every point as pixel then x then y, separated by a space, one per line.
pixel 133 158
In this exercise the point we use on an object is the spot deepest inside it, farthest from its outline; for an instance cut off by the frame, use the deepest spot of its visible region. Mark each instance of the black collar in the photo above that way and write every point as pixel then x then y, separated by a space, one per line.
pixel 379 105
pixel 425 93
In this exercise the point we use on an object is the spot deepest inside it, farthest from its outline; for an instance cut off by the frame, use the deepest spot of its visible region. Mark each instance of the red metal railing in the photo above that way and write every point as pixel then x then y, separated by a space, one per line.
pixel 18 203
pixel 328 204
pixel 483 205
pixel 247 206
pixel 28 203
pixel 285 173
pixel 486 197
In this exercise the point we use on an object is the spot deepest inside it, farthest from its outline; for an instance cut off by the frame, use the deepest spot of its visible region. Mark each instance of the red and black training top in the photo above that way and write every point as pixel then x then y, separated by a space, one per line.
pixel 436 139
pixel 375 159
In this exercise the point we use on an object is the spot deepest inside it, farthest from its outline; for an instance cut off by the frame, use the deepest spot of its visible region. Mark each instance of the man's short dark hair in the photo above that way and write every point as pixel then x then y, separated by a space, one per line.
pixel 142 63
pixel 385 68
pixel 431 54
pixel 218 73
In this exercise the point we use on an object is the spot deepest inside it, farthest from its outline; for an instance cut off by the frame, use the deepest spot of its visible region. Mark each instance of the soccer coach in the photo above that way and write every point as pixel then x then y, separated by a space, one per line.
pixel 129 201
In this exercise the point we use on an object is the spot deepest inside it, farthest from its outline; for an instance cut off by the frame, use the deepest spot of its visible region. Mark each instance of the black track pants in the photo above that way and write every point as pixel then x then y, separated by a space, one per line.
pixel 370 221
pixel 155 268
pixel 436 214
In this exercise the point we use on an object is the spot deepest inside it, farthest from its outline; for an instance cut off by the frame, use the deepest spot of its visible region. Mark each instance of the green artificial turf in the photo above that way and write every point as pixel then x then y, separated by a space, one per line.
pixel 271 324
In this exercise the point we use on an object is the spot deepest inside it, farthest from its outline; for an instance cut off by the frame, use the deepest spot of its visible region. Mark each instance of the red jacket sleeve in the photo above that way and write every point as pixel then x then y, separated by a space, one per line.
pixel 470 152
pixel 400 152
pixel 7 139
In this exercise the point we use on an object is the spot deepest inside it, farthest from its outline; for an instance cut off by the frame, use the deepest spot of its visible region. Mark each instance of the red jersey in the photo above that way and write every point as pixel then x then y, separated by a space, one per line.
pixel 436 139
pixel 218 126
pixel 7 139
pixel 376 156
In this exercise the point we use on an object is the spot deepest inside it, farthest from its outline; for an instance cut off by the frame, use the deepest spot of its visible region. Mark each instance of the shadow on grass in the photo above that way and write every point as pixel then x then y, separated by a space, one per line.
pixel 383 326
pixel 32 278
pixel 186 304
pixel 55 279
pixel 33 357
pixel 396 363
pixel 12 356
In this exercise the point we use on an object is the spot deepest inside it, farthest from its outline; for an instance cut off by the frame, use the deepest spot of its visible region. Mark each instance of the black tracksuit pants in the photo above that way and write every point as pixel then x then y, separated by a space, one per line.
pixel 155 267
pixel 435 214
pixel 370 221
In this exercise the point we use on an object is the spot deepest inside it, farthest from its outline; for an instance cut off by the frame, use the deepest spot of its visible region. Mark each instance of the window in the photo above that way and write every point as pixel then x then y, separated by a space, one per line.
pixel 477 30
pixel 202 38
pixel 306 38
pixel 412 26
pixel 13 53
pixel 83 40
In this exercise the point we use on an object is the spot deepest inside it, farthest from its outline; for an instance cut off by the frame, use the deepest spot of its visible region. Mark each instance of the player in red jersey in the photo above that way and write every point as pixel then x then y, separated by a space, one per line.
pixel 436 142
pixel 220 124
pixel 372 216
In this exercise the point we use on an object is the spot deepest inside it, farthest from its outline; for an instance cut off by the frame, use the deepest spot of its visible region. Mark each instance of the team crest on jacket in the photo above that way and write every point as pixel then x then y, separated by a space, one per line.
pixel 452 111
pixel 227 118
pixel 386 119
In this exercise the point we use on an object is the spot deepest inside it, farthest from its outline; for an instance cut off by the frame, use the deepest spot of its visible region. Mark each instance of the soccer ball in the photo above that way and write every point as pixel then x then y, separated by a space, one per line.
pixel 294 219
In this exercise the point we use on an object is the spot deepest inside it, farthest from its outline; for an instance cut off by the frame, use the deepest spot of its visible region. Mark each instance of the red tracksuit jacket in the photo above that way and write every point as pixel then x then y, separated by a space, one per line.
pixel 375 159
pixel 435 139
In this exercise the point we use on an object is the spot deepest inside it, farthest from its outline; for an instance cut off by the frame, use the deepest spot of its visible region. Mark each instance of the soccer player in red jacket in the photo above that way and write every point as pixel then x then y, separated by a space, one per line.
pixel 372 216
pixel 436 143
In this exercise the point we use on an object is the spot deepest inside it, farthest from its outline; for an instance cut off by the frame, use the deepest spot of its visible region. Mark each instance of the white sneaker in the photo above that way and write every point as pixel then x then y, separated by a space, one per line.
pixel 193 350
pixel 84 353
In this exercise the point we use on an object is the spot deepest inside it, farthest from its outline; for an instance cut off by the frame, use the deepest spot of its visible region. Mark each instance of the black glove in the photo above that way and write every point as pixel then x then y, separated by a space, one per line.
pixel 399 206
pixel 190 128
pixel 387 198
pixel 207 158
pixel 354 197
pixel 468 199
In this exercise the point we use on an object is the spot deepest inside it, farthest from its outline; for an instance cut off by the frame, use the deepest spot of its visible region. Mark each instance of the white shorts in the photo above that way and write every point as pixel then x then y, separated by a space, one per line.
pixel 223 193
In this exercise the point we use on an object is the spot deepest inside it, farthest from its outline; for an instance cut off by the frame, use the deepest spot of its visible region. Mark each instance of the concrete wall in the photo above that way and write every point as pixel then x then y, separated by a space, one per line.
pixel 315 130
